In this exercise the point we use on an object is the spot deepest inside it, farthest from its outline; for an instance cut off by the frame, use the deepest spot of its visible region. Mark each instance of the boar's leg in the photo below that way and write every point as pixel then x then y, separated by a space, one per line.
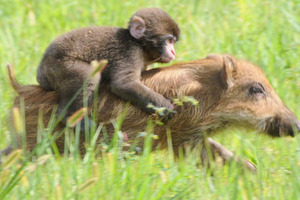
pixel 225 154
pixel 5 152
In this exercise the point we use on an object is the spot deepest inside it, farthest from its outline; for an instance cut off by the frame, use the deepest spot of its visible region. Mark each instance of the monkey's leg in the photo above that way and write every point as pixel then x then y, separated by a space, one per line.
pixel 42 79
pixel 226 155
pixel 72 83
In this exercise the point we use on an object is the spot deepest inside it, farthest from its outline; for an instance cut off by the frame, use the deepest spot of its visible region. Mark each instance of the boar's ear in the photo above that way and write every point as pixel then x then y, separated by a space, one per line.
pixel 217 57
pixel 228 71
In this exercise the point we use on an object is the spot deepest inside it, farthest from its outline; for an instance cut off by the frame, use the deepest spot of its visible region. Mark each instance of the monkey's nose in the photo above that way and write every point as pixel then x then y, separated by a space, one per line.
pixel 173 52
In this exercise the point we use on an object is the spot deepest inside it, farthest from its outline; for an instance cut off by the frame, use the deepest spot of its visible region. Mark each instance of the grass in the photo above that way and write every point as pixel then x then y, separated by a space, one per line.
pixel 264 32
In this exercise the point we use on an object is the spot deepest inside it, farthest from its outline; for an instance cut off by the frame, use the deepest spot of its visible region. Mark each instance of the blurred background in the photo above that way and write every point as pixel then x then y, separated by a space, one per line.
pixel 266 33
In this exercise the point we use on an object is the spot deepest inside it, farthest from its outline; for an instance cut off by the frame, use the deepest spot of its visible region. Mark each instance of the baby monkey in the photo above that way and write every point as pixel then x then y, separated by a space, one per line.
pixel 149 38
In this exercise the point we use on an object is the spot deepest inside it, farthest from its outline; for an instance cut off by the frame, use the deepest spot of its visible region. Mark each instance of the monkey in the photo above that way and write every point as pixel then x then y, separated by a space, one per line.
pixel 150 38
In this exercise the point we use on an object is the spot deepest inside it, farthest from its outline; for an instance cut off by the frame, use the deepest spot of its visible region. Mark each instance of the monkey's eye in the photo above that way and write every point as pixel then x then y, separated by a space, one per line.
pixel 170 40
pixel 256 88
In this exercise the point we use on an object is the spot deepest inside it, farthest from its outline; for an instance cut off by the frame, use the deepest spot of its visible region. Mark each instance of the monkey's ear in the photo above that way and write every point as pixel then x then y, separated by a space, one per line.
pixel 137 27
pixel 228 71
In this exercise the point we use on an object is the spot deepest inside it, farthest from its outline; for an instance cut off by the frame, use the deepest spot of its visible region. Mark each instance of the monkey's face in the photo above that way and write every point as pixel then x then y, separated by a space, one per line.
pixel 157 32
pixel 167 49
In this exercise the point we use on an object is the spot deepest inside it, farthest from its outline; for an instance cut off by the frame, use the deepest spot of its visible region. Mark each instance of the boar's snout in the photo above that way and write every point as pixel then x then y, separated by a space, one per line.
pixel 298 126
pixel 278 127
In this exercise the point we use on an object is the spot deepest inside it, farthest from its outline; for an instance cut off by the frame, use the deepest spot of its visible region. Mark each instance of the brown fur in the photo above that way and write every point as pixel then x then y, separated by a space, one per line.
pixel 66 63
pixel 221 84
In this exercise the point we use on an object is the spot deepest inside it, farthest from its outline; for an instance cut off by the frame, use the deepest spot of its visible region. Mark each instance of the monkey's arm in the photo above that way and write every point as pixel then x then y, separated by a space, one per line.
pixel 127 85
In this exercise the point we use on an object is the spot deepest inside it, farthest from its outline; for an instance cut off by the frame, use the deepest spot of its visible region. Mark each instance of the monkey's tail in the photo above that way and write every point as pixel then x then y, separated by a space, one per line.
pixel 13 81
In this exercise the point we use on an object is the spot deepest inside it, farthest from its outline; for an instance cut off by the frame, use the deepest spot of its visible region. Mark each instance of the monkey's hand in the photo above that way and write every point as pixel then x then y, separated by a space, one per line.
pixel 168 114
pixel 163 112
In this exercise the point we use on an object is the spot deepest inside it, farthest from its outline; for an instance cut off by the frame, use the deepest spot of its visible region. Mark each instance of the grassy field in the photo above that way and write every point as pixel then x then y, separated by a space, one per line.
pixel 266 33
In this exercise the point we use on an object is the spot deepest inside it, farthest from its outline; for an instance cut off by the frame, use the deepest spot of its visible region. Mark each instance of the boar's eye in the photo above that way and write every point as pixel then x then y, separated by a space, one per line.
pixel 256 88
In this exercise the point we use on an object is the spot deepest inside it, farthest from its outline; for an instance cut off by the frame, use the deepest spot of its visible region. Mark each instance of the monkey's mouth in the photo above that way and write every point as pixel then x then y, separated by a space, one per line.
pixel 276 127
pixel 167 59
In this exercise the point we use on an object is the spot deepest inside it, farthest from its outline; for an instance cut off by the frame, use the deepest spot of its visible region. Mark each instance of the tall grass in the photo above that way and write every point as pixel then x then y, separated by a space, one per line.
pixel 264 32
